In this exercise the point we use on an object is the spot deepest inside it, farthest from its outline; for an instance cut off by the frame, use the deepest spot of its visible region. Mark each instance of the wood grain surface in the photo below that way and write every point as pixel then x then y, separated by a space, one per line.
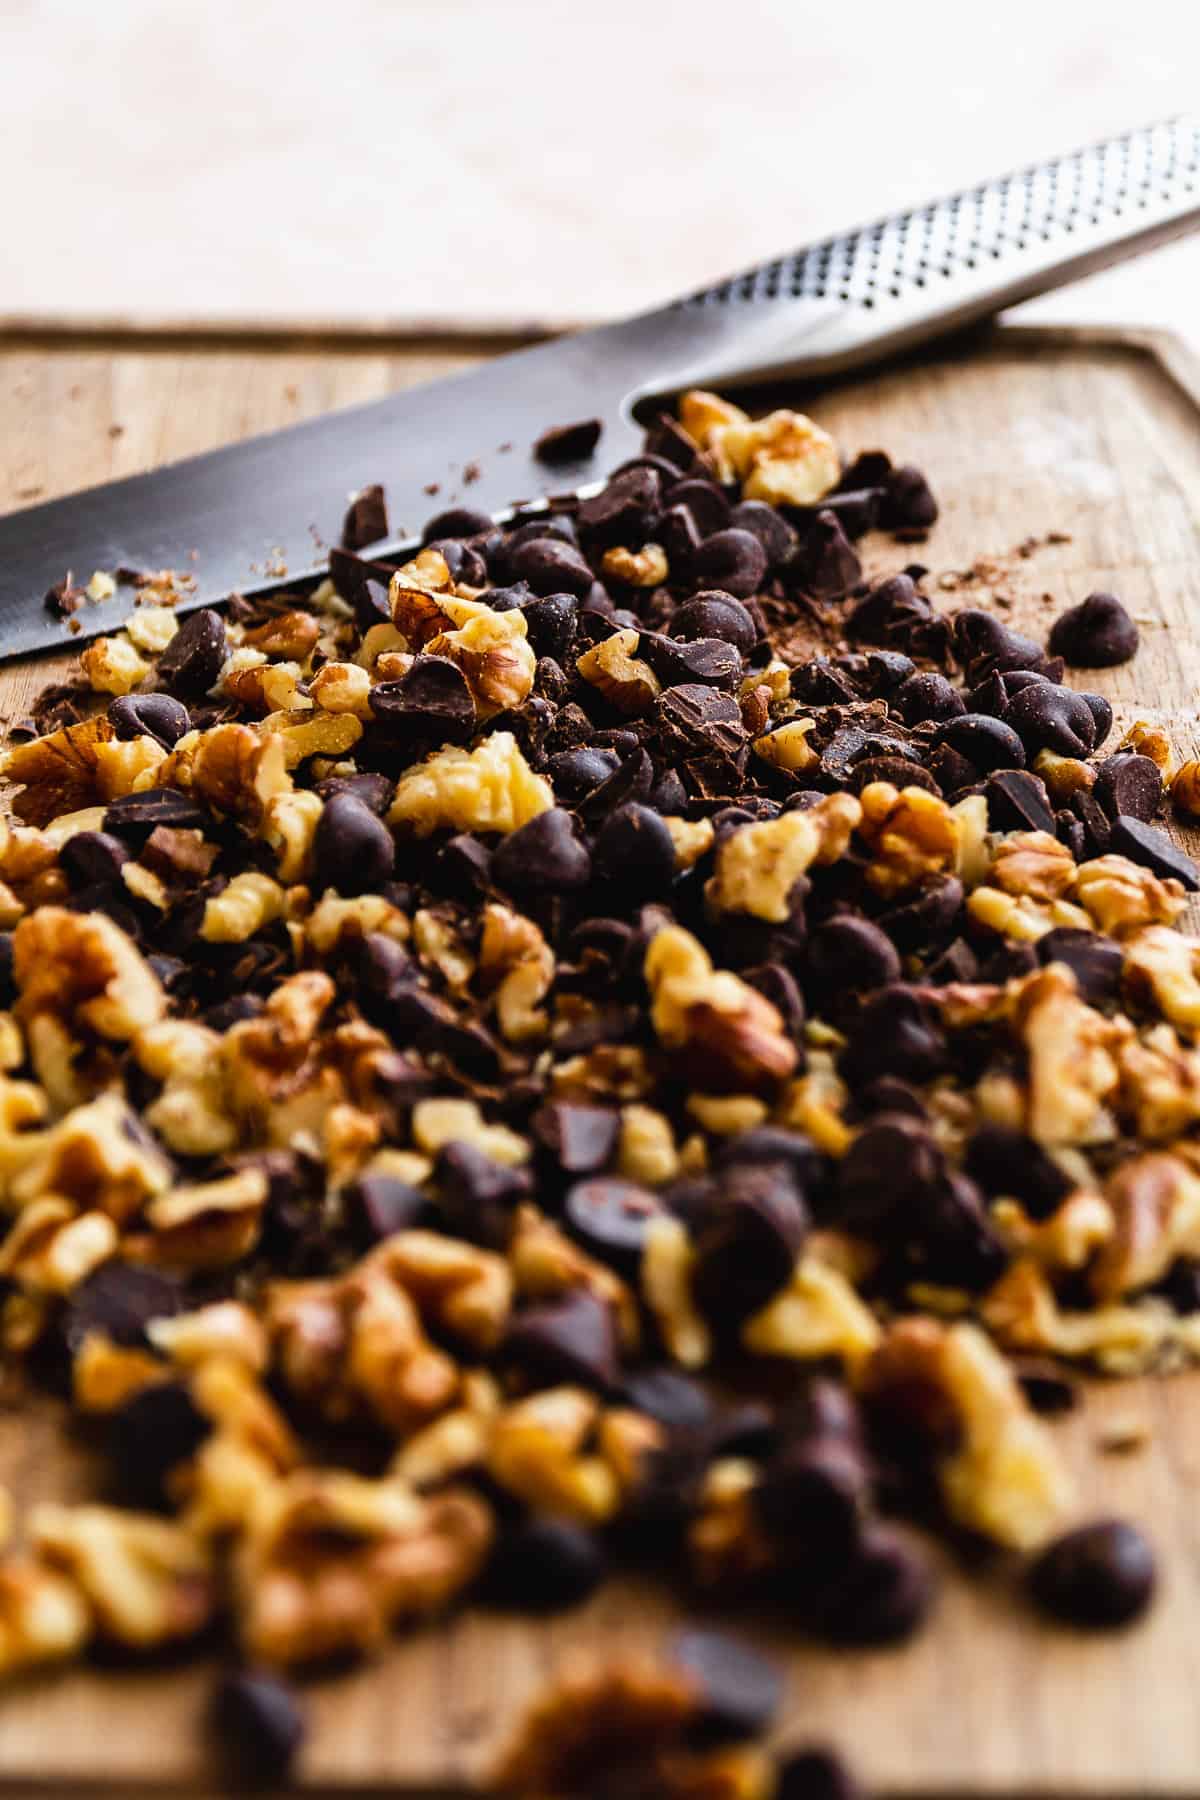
pixel 1024 433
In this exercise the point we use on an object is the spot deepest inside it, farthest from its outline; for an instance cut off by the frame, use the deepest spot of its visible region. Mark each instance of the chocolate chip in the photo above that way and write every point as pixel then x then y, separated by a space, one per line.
pixel 552 622
pixel 352 849
pixel 149 715
pixel 890 1161
pixel 931 912
pixel 635 851
pixel 738 1691
pixel 776 983
pixel 894 613
pixel 260 1725
pixel 624 509
pixel 732 560
pixel 1102 716
pixel 778 539
pixel 1046 717
pixel 1099 1575
pixel 1003 1160
pixel 377 1206
pixel 551 567
pixel 456 522
pixel 433 698
pixel 715 615
pixel 1154 850
pixel 195 656
pixel 882 1596
pixel 543 1565
pixel 1017 801
pixel 814 1494
pixel 573 1339
pixel 579 1138
pixel 987 743
pixel 927 695
pixel 1129 784
pixel 150 1435
pixel 897 1033
pixel 478 1196
pixel 710 661
pixel 610 1218
pixel 135 816
pixel 545 856
pixel 815 1774
pixel 705 503
pixel 119 1300
pixel 848 953
pixel 366 521
pixel 569 443
pixel 748 1228
pixel 1046 1387
pixel 985 645
pixel 372 604
pixel 1096 634
pixel 767 1144
pixel 908 503
pixel 826 564
pixel 670 1397
pixel 92 856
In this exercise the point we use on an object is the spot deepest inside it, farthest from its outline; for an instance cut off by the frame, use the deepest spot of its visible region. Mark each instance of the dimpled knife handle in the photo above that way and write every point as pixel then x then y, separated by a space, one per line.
pixel 940 266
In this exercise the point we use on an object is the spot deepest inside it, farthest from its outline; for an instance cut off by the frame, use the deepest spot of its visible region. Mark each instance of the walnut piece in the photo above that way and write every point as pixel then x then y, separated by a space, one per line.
pixel 44 1617
pixel 489 788
pixel 1164 966
pixel 113 666
pixel 666 1280
pixel 722 1029
pixel 147 1581
pixel 1073 1072
pixel 1121 897
pixel 60 772
pixel 912 834
pixel 492 650
pixel 544 1450
pixel 1033 863
pixel 757 865
pixel 646 568
pixel 783 459
pixel 818 1314
pixel 243 907
pixel 1155 1201
pixel 614 668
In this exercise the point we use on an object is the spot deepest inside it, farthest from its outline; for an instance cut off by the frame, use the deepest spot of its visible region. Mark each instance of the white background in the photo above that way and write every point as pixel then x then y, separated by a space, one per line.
pixel 500 162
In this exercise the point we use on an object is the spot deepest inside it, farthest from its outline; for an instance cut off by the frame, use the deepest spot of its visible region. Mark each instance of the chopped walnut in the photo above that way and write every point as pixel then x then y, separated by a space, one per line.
pixel 51 1247
pixel 308 733
pixel 721 1028
pixel 997 1466
pixel 818 1314
pixel 1033 863
pixel 232 768
pixel 289 826
pixel 1073 1073
pixel 1121 897
pixel 666 1278
pixel 1064 775
pixel 541 1451
pixel 205 1224
pixel 1160 1085
pixel 1023 919
pixel 291 635
pixel 784 459
pixel 493 652
pixel 757 865
pixel 105 1375
pixel 330 1563
pixel 1164 966
pixel 728 1550
pixel 224 1328
pixel 242 908
pixel 151 628
pixel 912 835
pixel 489 788
pixel 438 1122
pixel 1068 1239
pixel 1023 1314
pixel 644 568
pixel 787 746
pixel 340 687
pixel 646 1151
pixel 704 415
pixel 692 838
pixel 60 772
pixel 1185 789
pixel 1152 741
pixel 147 1581
pixel 1155 1200
pixel 334 920
pixel 44 1617
pixel 192 1113
pixel 94 1156
pixel 614 668
pixel 455 1443
pixel 545 1263
pixel 265 687
pixel 113 666
pixel 517 964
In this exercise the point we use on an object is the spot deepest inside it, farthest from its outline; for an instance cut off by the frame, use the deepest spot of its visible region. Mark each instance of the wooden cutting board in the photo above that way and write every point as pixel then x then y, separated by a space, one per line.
pixel 1025 433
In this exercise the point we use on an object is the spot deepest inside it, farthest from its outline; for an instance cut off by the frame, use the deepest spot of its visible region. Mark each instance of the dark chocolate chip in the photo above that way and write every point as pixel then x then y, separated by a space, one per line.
pixel 897 1033
pixel 610 1218
pixel 90 857
pixel 575 773
pixel 1048 1389
pixel 543 1565
pixel 1154 850
pixel 432 699
pixel 773 1144
pixel 372 604
pixel 731 560
pixel 1017 801
pixel 135 816
pixel 738 1689
pixel 573 1339
pixel 814 1494
pixel 1097 826
pixel 772 530
pixel 715 615
pixel 882 1596
pixel 545 856
pixel 366 520
pixel 776 983
pixel 624 509
pixel 931 911
pixel 1046 717
pixel 552 622
pixel 119 1300
pixel 927 695
pixel 260 1725
pixel 1129 784
pixel 569 443
pixel 705 503
pixel 987 743
pixel 670 1397
pixel 551 567
pixel 373 789
pixel 815 1774
pixel 150 1435
pixel 1096 634
pixel 478 1196
pixel 353 849
pixel 456 522
pixel 889 1162
pixel 1099 1575
pixel 847 954
pixel 377 1206
pixel 710 661
pixel 193 659
pixel 579 1138
pixel 635 851
pixel 985 645
pixel 1102 715
pixel 826 564
pixel 748 1226
pixel 908 503
pixel 158 716
pixel 1003 1160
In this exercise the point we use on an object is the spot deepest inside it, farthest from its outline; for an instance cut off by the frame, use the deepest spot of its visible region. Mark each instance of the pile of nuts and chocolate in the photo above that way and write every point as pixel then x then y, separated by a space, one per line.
pixel 614 1038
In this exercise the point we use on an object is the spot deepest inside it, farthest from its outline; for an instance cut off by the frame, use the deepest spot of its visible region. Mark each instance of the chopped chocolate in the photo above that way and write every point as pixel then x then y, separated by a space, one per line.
pixel 366 520
pixel 569 443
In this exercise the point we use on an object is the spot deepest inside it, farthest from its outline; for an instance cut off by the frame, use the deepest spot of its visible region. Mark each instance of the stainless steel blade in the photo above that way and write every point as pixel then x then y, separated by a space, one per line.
pixel 267 509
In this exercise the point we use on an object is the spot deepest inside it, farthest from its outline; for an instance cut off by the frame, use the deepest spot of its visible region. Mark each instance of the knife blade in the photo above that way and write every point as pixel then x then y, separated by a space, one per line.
pixel 263 513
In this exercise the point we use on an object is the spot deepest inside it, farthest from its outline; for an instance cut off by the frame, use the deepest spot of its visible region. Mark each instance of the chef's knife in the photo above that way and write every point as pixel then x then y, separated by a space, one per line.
pixel 239 519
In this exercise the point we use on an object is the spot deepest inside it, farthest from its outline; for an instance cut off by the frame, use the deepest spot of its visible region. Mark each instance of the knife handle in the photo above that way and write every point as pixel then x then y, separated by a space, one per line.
pixel 849 299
